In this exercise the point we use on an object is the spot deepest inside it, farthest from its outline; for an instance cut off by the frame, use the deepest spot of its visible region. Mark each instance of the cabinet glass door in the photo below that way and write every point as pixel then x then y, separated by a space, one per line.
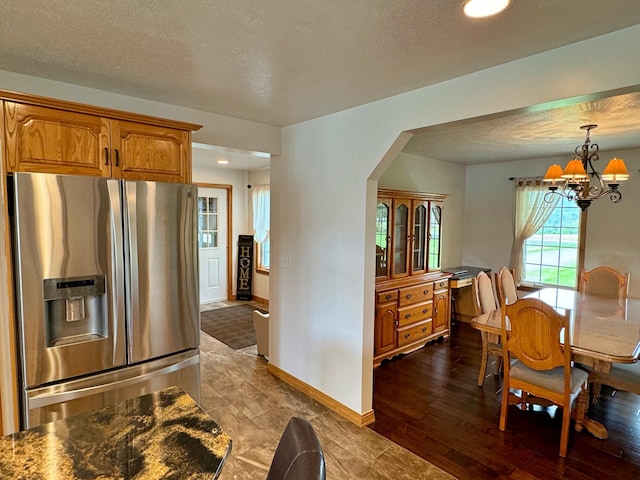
pixel 435 227
pixel 400 238
pixel 419 238
pixel 383 217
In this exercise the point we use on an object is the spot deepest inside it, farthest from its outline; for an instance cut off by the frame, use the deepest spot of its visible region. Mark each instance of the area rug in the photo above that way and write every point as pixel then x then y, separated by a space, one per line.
pixel 231 325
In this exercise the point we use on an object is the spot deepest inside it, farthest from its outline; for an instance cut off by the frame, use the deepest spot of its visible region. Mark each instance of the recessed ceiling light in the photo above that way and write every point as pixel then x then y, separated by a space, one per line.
pixel 484 8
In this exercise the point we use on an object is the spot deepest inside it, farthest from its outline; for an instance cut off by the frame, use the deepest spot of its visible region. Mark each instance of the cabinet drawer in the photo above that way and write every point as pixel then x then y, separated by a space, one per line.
pixel 414 333
pixel 388 296
pixel 440 284
pixel 415 313
pixel 416 294
pixel 463 282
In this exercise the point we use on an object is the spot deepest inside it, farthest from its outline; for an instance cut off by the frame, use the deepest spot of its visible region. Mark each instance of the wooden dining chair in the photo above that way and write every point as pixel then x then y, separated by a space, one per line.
pixel 484 301
pixel 536 362
pixel 609 282
pixel 604 281
pixel 505 286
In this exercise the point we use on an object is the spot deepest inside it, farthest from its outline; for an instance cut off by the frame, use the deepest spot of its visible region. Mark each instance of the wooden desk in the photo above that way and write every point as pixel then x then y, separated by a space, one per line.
pixel 603 331
pixel 159 435
pixel 462 303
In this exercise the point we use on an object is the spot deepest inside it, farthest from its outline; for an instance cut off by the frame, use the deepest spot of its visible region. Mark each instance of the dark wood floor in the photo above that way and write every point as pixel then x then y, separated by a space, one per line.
pixel 429 402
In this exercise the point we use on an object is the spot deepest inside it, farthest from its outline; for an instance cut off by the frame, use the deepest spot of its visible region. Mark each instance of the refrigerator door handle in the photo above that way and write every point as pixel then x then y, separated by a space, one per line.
pixel 45 399
pixel 117 268
pixel 131 254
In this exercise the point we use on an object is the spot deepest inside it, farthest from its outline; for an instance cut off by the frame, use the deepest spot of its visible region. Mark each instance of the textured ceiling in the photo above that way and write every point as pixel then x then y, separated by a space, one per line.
pixel 546 132
pixel 282 61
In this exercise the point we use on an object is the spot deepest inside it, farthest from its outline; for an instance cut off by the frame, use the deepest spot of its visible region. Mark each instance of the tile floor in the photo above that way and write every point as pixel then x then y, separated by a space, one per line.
pixel 254 407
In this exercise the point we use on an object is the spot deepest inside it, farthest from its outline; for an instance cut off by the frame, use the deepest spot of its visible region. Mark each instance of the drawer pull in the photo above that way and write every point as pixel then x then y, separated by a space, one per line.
pixel 407 296
pixel 424 329
pixel 407 335
pixel 425 292
pixel 425 310
pixel 407 315
pixel 388 296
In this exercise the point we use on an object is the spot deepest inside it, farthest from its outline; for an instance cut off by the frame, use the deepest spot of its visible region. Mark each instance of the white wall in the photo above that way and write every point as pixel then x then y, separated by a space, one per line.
pixel 420 174
pixel 260 280
pixel 323 202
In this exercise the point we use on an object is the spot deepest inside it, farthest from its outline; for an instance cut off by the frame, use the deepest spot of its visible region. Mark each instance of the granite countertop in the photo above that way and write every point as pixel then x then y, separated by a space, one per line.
pixel 161 435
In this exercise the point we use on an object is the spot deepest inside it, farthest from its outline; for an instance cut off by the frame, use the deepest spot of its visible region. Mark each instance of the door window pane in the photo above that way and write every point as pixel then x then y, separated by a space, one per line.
pixel 207 222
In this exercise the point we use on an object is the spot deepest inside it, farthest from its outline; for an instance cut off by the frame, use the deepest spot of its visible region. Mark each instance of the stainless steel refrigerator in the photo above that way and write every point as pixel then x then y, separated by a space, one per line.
pixel 107 291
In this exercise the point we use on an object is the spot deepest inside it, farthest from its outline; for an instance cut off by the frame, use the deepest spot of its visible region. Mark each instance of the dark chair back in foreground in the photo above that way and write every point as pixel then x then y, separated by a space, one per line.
pixel 299 454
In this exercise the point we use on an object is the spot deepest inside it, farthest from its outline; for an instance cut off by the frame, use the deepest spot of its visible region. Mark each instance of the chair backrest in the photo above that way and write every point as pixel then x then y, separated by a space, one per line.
pixel 534 334
pixel 299 455
pixel 604 281
pixel 506 286
pixel 483 296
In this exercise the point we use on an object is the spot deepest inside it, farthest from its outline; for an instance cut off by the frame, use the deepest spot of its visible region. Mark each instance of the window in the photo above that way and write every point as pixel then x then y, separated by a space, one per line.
pixel 264 257
pixel 551 253
pixel 207 222
pixel 261 199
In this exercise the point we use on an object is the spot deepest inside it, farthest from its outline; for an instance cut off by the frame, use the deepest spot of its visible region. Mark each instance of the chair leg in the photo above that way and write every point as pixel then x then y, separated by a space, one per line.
pixel 484 359
pixel 504 407
pixel 564 435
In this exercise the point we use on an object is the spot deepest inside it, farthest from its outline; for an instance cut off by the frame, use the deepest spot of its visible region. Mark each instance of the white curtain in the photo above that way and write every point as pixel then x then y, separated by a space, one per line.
pixel 531 213
pixel 260 195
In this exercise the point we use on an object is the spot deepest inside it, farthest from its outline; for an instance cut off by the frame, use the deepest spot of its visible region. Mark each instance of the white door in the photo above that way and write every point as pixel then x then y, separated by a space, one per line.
pixel 212 243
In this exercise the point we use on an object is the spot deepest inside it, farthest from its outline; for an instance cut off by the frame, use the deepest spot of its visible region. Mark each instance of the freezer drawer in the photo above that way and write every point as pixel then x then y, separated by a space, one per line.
pixel 59 401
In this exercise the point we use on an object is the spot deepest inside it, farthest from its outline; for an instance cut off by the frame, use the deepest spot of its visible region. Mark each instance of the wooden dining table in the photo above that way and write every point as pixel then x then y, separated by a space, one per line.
pixel 604 330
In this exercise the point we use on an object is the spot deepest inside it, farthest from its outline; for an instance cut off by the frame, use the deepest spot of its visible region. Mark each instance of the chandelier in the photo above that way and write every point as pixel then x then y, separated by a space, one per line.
pixel 580 182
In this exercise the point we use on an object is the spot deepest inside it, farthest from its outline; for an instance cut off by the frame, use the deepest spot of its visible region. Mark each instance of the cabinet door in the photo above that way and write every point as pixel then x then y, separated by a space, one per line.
pixel 435 229
pixel 418 239
pixel 440 310
pixel 47 140
pixel 400 240
pixel 383 237
pixel 384 336
pixel 148 152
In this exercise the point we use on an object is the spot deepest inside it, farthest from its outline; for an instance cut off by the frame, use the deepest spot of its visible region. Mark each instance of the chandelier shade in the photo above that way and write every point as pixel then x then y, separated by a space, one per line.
pixel 616 171
pixel 581 182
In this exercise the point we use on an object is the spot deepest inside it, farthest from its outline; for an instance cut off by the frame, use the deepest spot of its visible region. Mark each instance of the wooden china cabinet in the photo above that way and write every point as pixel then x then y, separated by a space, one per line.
pixel 412 294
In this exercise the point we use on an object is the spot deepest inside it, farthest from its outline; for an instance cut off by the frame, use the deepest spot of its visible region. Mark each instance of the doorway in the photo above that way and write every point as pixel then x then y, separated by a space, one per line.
pixel 213 244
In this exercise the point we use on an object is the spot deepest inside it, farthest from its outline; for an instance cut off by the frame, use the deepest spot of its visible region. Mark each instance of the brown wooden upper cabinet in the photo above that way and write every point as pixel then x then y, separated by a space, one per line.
pixel 408 227
pixel 39 138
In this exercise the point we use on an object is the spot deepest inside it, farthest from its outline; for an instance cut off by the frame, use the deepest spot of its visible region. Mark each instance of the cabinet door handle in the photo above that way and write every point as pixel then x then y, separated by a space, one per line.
pixel 106 156
pixel 117 158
